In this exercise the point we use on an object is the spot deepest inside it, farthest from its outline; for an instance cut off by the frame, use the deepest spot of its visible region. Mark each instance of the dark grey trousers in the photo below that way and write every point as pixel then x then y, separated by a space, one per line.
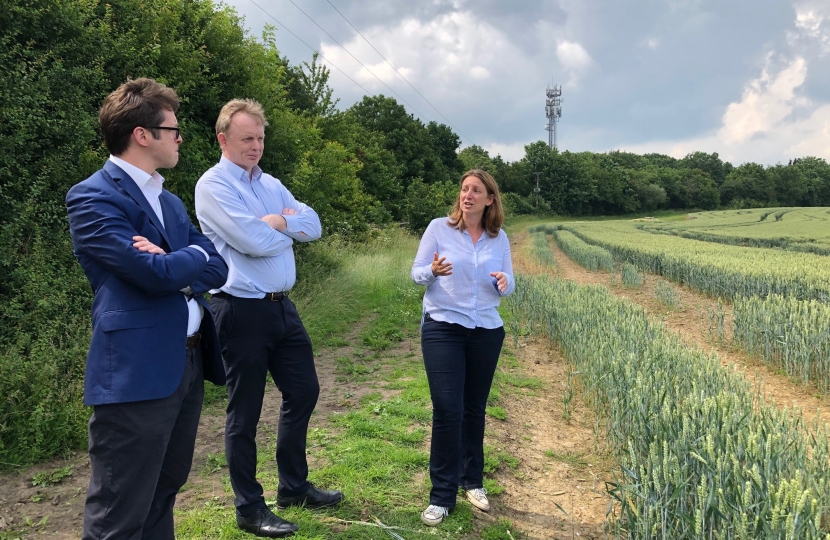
pixel 141 453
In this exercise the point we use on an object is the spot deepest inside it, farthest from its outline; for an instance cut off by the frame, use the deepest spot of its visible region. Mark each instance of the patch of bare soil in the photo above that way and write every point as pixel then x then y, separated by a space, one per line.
pixel 693 321
pixel 558 488
pixel 49 512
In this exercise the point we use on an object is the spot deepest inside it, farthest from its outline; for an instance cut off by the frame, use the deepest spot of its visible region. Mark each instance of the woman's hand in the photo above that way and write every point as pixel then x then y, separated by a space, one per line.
pixel 501 280
pixel 439 267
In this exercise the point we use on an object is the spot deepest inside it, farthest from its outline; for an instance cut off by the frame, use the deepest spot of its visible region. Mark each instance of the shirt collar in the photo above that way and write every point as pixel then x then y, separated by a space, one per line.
pixel 140 177
pixel 238 172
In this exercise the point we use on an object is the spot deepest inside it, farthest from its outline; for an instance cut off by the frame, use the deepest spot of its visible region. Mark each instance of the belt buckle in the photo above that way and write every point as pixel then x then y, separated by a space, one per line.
pixel 193 341
pixel 275 296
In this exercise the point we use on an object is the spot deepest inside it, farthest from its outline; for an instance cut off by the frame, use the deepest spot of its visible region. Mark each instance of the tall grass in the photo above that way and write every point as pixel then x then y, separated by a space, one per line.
pixel 369 278
pixel 701 455
pixel 715 269
pixel 666 295
pixel 630 275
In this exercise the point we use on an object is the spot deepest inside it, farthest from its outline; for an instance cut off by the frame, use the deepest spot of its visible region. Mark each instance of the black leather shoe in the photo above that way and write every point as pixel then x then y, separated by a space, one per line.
pixel 312 499
pixel 264 523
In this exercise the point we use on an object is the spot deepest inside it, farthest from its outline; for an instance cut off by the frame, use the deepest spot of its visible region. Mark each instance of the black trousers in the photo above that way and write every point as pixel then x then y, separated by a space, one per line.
pixel 460 363
pixel 258 337
pixel 141 453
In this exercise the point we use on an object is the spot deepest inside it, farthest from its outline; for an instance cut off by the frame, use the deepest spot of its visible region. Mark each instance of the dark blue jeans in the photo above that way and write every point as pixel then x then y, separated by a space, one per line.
pixel 460 364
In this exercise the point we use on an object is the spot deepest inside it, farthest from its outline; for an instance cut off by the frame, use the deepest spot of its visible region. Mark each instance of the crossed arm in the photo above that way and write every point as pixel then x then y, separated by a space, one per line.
pixel 222 210
pixel 102 231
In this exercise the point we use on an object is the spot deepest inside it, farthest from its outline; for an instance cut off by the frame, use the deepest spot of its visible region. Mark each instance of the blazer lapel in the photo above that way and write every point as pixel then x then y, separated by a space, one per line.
pixel 170 221
pixel 128 184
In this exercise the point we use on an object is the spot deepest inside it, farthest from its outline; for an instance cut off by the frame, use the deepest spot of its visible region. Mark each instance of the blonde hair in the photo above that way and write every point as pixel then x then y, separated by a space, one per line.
pixel 493 216
pixel 249 106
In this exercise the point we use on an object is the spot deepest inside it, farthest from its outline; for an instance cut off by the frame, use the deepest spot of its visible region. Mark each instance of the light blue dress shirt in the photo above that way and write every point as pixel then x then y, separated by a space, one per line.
pixel 469 296
pixel 229 205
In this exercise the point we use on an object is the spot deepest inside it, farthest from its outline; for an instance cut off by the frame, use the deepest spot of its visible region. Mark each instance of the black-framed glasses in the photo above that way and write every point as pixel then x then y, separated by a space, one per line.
pixel 178 130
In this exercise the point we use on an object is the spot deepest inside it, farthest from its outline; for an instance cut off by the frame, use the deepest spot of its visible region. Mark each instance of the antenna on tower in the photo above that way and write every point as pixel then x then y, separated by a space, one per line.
pixel 553 110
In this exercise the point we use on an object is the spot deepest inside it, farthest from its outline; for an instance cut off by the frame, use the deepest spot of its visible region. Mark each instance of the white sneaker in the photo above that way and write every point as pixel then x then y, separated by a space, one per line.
pixel 478 498
pixel 434 515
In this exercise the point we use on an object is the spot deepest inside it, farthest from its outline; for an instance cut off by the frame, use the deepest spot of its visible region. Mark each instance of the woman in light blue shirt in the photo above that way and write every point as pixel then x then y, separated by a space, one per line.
pixel 464 261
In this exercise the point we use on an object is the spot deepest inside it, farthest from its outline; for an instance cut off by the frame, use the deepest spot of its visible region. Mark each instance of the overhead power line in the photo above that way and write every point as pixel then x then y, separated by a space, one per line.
pixel 332 64
pixel 353 56
pixel 310 47
pixel 396 71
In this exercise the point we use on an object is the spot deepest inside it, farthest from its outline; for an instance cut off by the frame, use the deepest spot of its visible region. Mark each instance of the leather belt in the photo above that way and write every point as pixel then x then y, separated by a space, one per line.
pixel 269 297
pixel 193 341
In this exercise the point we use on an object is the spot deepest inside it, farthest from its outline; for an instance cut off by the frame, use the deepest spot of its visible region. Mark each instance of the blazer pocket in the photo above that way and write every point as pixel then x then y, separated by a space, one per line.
pixel 122 320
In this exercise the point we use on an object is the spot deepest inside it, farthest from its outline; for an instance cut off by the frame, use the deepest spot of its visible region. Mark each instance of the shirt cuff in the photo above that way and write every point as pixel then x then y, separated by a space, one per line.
pixel 293 225
pixel 207 258
pixel 424 275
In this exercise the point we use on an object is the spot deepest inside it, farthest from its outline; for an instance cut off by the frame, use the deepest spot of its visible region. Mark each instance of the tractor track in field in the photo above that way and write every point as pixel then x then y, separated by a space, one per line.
pixel 691 321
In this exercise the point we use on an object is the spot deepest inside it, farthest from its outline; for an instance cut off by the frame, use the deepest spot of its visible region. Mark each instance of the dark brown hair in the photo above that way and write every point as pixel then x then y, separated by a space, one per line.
pixel 136 103
pixel 493 216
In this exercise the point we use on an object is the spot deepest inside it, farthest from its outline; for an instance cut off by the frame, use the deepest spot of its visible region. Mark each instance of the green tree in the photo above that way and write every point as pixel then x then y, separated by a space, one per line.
pixel 671 180
pixel 326 180
pixel 703 193
pixel 476 157
pixel 380 173
pixel 790 185
pixel 58 59
pixel 407 138
pixel 309 90
pixel 662 160
pixel 708 163
pixel 425 202
pixel 445 143
pixel 748 186
pixel 816 172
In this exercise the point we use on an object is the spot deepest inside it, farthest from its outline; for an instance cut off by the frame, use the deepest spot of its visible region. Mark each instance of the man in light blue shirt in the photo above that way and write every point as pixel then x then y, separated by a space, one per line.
pixel 253 221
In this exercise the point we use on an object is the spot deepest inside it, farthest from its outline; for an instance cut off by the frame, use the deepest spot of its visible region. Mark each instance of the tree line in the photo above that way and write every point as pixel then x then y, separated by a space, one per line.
pixel 368 166
pixel 588 183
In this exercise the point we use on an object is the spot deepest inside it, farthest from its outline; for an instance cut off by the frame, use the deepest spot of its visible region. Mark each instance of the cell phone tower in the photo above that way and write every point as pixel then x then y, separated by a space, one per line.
pixel 553 110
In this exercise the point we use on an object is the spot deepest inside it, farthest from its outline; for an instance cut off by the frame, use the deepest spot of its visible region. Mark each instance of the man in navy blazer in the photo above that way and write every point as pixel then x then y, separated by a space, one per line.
pixel 153 337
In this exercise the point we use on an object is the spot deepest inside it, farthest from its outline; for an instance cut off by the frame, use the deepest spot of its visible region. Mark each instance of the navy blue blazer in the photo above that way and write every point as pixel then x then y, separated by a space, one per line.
pixel 139 317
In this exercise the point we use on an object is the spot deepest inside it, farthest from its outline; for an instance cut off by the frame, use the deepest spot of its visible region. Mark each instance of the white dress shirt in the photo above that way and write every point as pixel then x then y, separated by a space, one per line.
pixel 151 186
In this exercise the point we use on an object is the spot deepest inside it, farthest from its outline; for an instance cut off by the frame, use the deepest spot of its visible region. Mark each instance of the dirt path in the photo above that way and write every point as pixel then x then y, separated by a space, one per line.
pixel 56 511
pixel 557 490
pixel 691 320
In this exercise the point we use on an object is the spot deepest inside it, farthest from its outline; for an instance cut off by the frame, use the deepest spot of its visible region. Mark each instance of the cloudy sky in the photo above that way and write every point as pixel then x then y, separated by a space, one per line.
pixel 749 79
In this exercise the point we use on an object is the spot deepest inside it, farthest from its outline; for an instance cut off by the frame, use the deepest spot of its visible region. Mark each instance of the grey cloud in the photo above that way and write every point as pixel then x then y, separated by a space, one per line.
pixel 704 54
